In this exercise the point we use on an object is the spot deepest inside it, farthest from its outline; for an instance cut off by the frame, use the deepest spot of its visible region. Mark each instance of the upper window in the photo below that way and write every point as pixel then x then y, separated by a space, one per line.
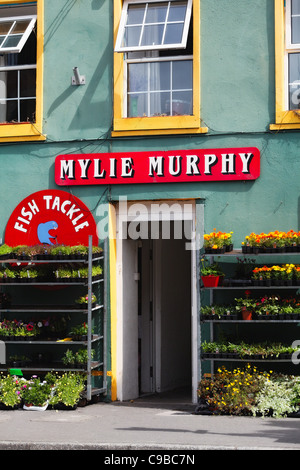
pixel 287 64
pixel 154 26
pixel 157 73
pixel 14 32
pixel 20 70
pixel 293 52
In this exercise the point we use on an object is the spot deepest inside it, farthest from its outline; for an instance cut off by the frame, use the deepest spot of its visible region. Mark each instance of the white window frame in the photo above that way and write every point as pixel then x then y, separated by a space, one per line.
pixel 121 31
pixel 25 34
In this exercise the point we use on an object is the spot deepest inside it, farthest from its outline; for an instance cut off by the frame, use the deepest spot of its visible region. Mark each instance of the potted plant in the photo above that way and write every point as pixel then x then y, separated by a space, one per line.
pixel 10 392
pixel 245 305
pixel 69 358
pixel 297 275
pixel 80 273
pixel 79 332
pixel 218 242
pixel 22 252
pixel 61 252
pixel 81 357
pixel 5 252
pixel 80 251
pixel 9 275
pixel 63 274
pixel 96 251
pixel 84 299
pixel 28 274
pixel 68 390
pixel 210 274
pixel 97 272
pixel 36 394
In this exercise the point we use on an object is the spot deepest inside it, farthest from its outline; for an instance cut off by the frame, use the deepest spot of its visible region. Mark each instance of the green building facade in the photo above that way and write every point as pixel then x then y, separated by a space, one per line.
pixel 237 47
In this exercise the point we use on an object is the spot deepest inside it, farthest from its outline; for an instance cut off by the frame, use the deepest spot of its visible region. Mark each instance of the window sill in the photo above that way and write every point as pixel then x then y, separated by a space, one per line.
pixel 283 126
pixel 20 132
pixel 158 125
pixel 286 120
pixel 199 130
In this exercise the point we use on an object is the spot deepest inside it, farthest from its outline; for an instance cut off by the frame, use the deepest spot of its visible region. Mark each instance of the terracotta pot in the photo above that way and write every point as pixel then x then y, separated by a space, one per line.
pixel 246 314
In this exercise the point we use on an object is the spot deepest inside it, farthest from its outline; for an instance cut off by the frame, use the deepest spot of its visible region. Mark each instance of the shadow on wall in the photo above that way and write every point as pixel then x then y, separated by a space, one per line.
pixel 97 4
pixel 89 113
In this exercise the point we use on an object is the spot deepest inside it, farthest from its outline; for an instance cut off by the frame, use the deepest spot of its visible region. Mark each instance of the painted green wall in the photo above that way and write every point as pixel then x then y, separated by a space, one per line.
pixel 237 64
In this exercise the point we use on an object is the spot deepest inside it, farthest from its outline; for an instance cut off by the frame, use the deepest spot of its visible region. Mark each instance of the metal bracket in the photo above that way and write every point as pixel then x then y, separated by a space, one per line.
pixel 77 79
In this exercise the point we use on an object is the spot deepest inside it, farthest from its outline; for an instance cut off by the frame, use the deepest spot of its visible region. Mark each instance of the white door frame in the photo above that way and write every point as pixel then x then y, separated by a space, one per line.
pixel 154 211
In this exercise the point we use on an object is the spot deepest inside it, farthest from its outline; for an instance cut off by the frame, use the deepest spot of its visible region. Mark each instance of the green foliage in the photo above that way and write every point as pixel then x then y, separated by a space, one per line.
pixel 10 391
pixel 210 269
pixel 249 391
pixel 68 389
pixel 35 392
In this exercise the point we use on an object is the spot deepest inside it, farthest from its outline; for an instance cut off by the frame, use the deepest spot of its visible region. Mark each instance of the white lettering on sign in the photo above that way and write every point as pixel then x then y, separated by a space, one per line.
pixel 234 164
pixel 70 209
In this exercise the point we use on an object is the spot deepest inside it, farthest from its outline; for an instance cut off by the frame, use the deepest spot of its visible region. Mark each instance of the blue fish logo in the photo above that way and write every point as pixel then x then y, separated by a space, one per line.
pixel 43 232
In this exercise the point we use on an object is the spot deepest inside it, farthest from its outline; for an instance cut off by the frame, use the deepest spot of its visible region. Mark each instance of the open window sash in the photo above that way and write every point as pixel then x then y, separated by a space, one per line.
pixel 153 25
pixel 14 33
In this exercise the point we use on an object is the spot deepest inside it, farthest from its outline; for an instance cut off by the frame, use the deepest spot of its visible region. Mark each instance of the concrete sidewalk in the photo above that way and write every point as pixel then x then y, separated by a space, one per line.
pixel 143 424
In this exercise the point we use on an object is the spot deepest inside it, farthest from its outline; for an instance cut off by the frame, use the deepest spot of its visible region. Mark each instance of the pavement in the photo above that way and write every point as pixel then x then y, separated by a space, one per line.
pixel 149 424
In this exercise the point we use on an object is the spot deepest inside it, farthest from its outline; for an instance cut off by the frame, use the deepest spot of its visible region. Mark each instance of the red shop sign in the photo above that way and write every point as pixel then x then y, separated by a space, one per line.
pixel 51 217
pixel 231 164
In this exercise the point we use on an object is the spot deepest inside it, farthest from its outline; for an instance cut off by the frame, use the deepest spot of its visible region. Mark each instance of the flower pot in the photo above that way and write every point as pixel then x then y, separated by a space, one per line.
pixel 246 314
pixel 210 281
pixel 229 247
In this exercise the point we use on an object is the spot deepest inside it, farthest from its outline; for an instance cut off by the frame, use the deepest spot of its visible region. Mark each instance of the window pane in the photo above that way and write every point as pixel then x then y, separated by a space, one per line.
pixel 27 111
pixel 296 30
pixel 295 22
pixel 132 36
pixel 160 104
pixel 20 26
pixel 12 40
pixel 182 78
pixel 177 11
pixel 160 77
pixel 5 27
pixel 135 14
pixel 182 103
pixel 173 33
pixel 295 7
pixel 138 105
pixel 156 13
pixel 294 81
pixel 27 82
pixel 137 77
pixel 12 111
pixel 152 35
pixel 12 84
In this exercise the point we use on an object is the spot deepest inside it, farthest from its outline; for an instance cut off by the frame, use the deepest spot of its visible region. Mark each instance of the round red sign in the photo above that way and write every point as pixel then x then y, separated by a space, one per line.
pixel 51 217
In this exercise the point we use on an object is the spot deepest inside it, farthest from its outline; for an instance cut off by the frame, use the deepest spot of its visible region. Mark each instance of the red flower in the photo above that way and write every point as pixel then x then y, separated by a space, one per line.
pixel 29 327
